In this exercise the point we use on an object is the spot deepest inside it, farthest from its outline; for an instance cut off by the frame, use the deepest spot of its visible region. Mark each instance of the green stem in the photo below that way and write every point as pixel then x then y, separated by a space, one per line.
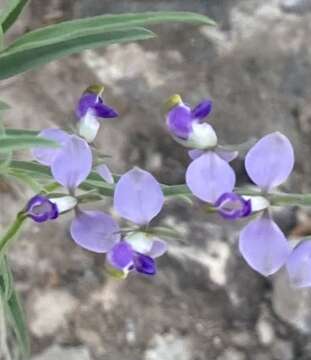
pixel 11 232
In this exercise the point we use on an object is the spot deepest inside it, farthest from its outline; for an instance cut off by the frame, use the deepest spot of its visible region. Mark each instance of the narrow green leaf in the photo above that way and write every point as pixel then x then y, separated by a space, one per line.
pixel 57 32
pixel 20 132
pixel 20 59
pixel 10 15
pixel 17 319
pixel 10 143
pixel 6 278
pixel 26 179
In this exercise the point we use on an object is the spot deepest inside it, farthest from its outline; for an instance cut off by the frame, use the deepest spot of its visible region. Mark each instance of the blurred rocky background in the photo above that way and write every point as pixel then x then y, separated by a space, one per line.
pixel 205 304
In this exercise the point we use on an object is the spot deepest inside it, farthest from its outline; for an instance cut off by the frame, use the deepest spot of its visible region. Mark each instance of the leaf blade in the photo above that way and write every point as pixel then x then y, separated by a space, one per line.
pixel 11 14
pixel 11 143
pixel 13 62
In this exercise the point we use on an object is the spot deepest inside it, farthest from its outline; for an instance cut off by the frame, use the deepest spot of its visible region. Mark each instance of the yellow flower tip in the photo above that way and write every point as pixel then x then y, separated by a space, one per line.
pixel 173 101
pixel 115 273
pixel 97 89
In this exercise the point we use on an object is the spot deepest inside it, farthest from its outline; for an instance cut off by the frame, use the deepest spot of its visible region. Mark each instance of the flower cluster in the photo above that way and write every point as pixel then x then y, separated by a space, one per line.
pixel 138 197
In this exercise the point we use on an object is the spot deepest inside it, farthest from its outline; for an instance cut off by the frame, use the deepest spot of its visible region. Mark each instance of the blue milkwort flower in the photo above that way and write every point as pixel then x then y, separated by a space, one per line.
pixel 90 110
pixel 209 175
pixel 70 165
pixel 139 198
pixel 40 209
pixel 262 243
pixel 232 206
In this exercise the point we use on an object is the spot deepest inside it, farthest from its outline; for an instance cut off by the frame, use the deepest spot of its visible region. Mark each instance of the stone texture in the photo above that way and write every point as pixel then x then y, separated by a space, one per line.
pixel 206 303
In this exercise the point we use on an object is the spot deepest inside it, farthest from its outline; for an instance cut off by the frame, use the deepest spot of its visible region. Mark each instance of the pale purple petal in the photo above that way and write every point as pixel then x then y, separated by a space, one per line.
pixel 46 156
pixel 95 231
pixel 105 173
pixel 299 265
pixel 179 121
pixel 202 110
pixel 73 163
pixel 121 256
pixel 209 176
pixel 227 155
pixel 159 247
pixel 264 246
pixel 270 161
pixel 195 153
pixel 138 196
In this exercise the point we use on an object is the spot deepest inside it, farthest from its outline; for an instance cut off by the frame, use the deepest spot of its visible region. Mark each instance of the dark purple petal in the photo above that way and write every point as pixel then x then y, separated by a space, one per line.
pixel 145 264
pixel 105 173
pixel 94 103
pixel 202 110
pixel 46 156
pixel 264 246
pixel 179 121
pixel 232 206
pixel 138 196
pixel 209 176
pixel 299 265
pixel 121 256
pixel 73 163
pixel 41 209
pixel 270 161
pixel 95 231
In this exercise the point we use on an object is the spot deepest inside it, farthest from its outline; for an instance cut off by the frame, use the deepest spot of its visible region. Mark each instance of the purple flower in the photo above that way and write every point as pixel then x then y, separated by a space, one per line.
pixel 41 209
pixel 232 206
pixel 298 265
pixel 262 244
pixel 89 110
pixel 138 197
pixel 186 127
pixel 209 176
pixel 70 166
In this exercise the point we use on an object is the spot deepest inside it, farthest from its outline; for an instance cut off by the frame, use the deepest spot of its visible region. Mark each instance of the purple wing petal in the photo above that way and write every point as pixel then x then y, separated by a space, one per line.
pixel 227 155
pixel 73 163
pixel 270 161
pixel 121 256
pixel 209 176
pixel 202 110
pixel 145 264
pixel 94 103
pixel 95 231
pixel 264 246
pixel 299 265
pixel 138 196
pixel 46 156
pixel 179 121
pixel 159 247
pixel 105 173
pixel 195 153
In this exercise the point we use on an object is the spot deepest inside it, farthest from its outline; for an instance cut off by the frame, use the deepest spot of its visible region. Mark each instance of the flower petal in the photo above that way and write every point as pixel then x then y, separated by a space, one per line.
pixel 88 126
pixel 105 173
pixel 209 176
pixel 264 246
pixel 299 265
pixel 227 155
pixel 140 242
pixel 145 264
pixel 195 153
pixel 121 256
pixel 179 121
pixel 46 156
pixel 159 247
pixel 73 163
pixel 138 196
pixel 41 209
pixel 270 161
pixel 94 102
pixel 202 110
pixel 232 206
pixel 95 231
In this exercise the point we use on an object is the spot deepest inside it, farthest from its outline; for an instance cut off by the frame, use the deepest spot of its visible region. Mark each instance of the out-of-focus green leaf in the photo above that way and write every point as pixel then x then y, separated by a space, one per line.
pixel 68 29
pixel 17 319
pixel 26 179
pixel 12 12
pixel 4 106
pixel 20 132
pixel 21 58
pixel 11 143
pixel 6 279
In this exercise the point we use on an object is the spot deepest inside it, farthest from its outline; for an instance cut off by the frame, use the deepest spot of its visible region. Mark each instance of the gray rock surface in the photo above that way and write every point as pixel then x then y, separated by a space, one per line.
pixel 205 304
